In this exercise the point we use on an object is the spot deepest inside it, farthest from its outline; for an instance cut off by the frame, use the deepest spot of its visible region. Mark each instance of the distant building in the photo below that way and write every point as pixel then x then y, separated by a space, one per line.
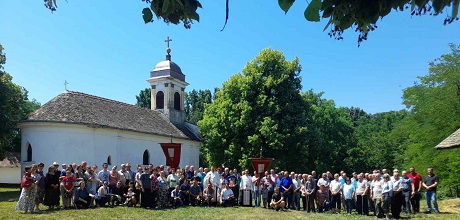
pixel 76 127
pixel 453 141
pixel 10 168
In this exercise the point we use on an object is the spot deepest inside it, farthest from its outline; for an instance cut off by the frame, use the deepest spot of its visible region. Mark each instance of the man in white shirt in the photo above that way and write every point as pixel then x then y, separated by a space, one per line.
pixel 226 197
pixel 376 193
pixel 103 175
pixel 246 189
pixel 297 186
pixel 336 195
pixel 124 175
pixel 213 178
pixel 362 188
pixel 396 202
pixel 323 181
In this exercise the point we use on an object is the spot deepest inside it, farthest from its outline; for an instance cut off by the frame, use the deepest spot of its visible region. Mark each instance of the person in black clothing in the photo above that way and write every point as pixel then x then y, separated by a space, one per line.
pixel 116 196
pixel 430 183
pixel 82 198
pixel 277 200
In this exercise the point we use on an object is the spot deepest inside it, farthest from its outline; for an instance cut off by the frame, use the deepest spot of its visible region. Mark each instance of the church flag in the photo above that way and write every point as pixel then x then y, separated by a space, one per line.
pixel 172 153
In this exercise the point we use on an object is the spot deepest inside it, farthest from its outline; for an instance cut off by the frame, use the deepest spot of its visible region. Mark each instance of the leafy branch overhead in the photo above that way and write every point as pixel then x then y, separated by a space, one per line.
pixel 362 16
pixel 172 11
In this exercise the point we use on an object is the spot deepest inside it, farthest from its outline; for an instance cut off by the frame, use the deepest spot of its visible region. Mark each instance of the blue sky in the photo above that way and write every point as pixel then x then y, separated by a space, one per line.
pixel 104 48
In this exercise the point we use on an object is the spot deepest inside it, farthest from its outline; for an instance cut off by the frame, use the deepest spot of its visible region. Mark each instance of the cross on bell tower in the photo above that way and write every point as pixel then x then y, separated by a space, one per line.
pixel 168 50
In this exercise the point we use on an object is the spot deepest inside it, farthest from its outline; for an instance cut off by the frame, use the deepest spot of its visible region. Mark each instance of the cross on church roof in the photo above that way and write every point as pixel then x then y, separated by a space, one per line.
pixel 168 40
pixel 168 50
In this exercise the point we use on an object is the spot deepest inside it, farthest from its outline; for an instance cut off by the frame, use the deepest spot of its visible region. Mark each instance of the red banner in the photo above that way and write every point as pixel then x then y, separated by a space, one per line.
pixel 261 165
pixel 172 153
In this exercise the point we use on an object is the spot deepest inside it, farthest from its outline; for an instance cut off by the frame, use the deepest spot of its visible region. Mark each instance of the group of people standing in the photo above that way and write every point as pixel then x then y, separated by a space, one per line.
pixel 83 186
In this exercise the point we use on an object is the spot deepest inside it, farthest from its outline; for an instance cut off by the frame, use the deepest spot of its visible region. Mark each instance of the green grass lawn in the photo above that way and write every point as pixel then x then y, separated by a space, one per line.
pixel 8 196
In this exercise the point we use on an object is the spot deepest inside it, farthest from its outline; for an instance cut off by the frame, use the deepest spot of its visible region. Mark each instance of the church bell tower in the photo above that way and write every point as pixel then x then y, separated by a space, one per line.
pixel 168 88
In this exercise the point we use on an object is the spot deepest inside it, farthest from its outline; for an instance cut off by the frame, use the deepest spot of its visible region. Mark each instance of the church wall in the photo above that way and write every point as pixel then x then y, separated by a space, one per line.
pixel 69 143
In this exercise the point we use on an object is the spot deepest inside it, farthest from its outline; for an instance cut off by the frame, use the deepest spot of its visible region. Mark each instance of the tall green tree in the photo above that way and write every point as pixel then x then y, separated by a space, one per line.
pixel 14 105
pixel 195 102
pixel 143 99
pixel 260 107
pixel 330 134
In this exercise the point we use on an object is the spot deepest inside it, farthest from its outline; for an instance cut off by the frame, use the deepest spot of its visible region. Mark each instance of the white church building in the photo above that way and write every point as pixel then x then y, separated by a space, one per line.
pixel 76 127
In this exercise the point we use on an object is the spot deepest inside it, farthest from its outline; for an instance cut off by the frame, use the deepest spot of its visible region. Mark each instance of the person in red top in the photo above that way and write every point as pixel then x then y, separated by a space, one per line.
pixel 417 180
pixel 67 184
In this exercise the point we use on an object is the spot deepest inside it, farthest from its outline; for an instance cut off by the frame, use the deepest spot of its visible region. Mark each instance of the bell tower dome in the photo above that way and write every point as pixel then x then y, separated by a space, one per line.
pixel 168 88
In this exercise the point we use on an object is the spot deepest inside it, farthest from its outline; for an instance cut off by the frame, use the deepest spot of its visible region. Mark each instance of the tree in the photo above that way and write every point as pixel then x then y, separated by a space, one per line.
pixel 14 105
pixel 330 133
pixel 195 102
pixel 362 16
pixel 260 107
pixel 376 147
pixel 143 99
pixel 434 105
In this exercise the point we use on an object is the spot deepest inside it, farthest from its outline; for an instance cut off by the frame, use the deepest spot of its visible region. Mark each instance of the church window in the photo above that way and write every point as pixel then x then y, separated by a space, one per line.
pixel 177 101
pixel 160 97
pixel 109 160
pixel 146 158
pixel 29 152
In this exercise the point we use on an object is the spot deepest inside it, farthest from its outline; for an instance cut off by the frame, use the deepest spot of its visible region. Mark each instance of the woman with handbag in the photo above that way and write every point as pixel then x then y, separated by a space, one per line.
pixel 26 200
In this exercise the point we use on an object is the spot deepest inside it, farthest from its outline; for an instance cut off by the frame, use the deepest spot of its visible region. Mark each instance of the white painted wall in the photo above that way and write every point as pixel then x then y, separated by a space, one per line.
pixel 69 143
pixel 10 175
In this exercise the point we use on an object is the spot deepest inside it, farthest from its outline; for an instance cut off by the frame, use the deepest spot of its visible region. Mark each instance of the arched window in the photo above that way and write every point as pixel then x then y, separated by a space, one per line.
pixel 160 98
pixel 29 152
pixel 146 158
pixel 109 160
pixel 177 101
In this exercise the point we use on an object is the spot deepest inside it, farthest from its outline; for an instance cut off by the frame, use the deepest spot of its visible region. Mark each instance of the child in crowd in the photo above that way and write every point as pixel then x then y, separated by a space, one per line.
pixel 264 193
pixel 130 197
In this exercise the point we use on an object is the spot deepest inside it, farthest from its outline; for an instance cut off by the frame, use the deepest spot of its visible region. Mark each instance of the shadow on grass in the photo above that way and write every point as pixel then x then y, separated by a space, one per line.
pixel 9 196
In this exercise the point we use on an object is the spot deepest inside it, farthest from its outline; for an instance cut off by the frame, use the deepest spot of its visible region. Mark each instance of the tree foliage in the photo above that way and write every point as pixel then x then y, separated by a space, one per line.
pixel 260 107
pixel 144 99
pixel 434 104
pixel 358 15
pixel 14 105
pixel 376 146
pixel 195 102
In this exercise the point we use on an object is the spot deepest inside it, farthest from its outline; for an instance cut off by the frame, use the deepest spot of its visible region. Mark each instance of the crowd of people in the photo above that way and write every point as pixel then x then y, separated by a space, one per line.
pixel 82 186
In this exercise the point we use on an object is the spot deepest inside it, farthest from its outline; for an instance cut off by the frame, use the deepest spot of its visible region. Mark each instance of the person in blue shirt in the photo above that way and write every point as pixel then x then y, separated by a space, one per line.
pixel 287 189
pixel 184 191
pixel 202 174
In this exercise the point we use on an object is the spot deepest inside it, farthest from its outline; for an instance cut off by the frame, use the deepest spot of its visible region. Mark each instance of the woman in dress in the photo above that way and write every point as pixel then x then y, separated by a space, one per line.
pixel 26 200
pixel 40 187
pixel 51 188
pixel 163 190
